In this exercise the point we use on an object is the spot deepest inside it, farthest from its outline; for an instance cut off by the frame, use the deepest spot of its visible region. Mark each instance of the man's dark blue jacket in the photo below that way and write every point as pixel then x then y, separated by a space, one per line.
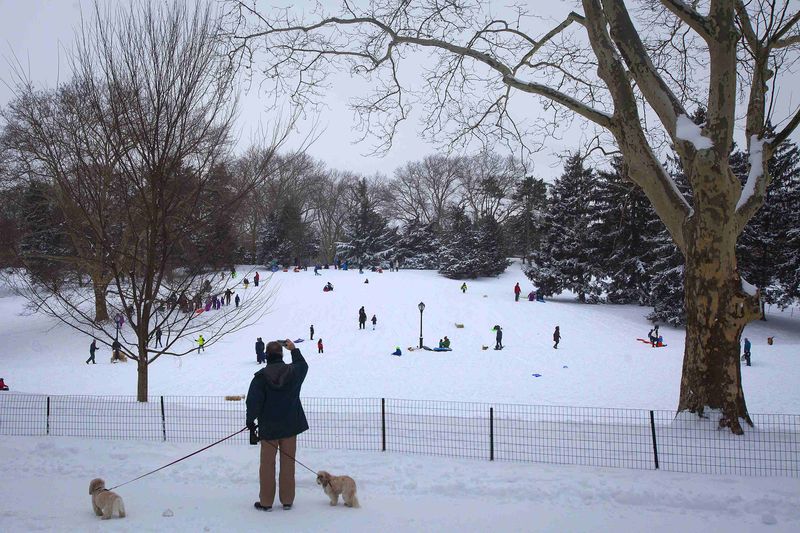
pixel 274 398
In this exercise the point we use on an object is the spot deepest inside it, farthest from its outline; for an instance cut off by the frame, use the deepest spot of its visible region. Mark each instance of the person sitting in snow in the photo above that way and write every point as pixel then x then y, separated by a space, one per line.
pixel 652 337
pixel 3 385
pixel 397 351
pixel 366 280
pixel 328 287
pixel 446 342
pixel 531 296
pixel 246 282
pixel 441 343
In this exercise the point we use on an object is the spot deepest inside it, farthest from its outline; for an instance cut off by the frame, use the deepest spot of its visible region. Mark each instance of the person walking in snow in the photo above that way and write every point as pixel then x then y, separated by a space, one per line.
pixel 158 336
pixel 316 270
pixel 464 287
pixel 362 318
pixel 746 355
pixel 255 279
pixel 246 282
pixel 311 331
pixel 498 338
pixel 260 357
pixel 320 348
pixel 556 337
pixel 228 294
pixel 201 344
pixel 517 290
pixel 273 401
pixel 237 300
pixel 92 350
pixel 374 321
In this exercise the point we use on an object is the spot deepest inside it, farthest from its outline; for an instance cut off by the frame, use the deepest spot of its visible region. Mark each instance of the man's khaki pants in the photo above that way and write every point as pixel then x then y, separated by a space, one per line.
pixel 266 473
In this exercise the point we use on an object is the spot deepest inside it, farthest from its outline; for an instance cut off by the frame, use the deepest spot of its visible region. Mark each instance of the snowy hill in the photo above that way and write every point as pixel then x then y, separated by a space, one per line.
pixel 598 363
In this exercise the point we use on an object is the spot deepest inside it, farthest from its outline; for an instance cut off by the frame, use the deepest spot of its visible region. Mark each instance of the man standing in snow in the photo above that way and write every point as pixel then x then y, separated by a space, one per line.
pixel 498 338
pixel 228 294
pixel 274 401
pixel 517 290
pixel 255 279
pixel 362 318
pixel 158 336
pixel 260 357
pixel 92 350
pixel 311 331
pixel 747 351
pixel 556 337
pixel 237 300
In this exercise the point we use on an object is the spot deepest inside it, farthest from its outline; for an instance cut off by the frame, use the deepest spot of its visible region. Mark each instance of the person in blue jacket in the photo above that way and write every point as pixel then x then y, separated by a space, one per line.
pixel 274 401
pixel 746 356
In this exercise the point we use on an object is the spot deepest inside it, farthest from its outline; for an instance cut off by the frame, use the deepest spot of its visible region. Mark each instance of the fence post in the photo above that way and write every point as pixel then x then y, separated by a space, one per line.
pixel 383 424
pixel 48 415
pixel 163 421
pixel 653 431
pixel 491 433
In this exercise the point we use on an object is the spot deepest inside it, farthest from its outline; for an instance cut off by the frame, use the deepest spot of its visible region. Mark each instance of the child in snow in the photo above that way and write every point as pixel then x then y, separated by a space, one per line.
pixel 201 344
pixel 556 337
pixel 464 287
pixel 441 343
pixel 3 385
pixel 397 351
pixel 366 280
pixel 320 348
pixel 237 300
pixel 374 321
pixel 498 338
pixel 246 282
pixel 517 290
pixel 531 296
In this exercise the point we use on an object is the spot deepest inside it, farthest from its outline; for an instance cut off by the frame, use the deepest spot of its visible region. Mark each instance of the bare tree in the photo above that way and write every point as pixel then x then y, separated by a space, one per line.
pixel 487 183
pixel 156 106
pixel 330 200
pixel 599 66
pixel 423 189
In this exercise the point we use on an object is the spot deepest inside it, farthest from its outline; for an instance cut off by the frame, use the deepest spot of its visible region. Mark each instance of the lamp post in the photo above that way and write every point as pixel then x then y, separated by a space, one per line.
pixel 421 308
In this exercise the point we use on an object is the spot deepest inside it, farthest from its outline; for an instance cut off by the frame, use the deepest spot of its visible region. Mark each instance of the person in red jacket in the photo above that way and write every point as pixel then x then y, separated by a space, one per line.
pixel 3 385
pixel 517 290
pixel 256 278
pixel 319 347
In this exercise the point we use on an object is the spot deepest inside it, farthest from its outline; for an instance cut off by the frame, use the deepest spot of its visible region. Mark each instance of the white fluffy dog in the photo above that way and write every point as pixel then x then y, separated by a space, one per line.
pixel 104 502
pixel 338 485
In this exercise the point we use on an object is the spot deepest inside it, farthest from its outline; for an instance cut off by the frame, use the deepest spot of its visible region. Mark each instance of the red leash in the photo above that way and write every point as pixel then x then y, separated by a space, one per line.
pixel 181 459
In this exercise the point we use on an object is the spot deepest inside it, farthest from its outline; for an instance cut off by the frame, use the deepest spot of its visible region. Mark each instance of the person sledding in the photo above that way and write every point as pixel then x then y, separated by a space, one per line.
pixel 532 296
pixel 446 342
pixel 517 290
pixel 397 351
pixel 3 385
pixel 328 287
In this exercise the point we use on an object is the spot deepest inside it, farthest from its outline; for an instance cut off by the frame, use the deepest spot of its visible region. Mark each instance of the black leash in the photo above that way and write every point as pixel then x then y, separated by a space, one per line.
pixel 181 459
pixel 289 456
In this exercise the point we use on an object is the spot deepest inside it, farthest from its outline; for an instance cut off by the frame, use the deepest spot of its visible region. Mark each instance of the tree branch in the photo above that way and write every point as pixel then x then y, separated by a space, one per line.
pixel 690 16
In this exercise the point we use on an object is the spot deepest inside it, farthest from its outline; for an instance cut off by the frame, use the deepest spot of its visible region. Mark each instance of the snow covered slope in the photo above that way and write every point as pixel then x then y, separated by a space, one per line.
pixel 598 363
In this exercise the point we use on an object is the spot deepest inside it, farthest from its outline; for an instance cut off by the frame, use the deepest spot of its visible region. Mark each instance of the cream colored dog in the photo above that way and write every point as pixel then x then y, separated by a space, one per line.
pixel 104 502
pixel 336 485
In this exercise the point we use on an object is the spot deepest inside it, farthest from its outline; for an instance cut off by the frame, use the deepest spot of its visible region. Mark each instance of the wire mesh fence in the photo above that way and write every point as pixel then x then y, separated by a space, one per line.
pixel 627 438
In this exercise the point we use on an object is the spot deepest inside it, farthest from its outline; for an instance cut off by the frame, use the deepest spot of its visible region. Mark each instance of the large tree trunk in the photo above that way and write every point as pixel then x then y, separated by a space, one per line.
pixel 100 306
pixel 717 310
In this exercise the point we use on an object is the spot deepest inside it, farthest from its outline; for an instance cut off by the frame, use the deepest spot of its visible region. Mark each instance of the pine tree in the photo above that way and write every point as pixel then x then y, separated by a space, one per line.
pixel 43 239
pixel 564 260
pixel 418 246
pixel 525 227
pixel 490 247
pixel 624 236
pixel 458 259
pixel 765 249
pixel 368 241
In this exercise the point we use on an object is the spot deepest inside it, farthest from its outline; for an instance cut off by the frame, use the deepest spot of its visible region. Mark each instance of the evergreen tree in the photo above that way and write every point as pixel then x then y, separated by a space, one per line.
pixel 458 244
pixel 525 227
pixel 765 249
pixel 368 241
pixel 490 247
pixel 284 236
pixel 418 246
pixel 624 236
pixel 564 259
pixel 667 265
pixel 43 240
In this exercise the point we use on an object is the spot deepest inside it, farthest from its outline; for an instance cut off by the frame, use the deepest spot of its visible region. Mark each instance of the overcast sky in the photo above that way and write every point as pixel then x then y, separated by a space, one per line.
pixel 37 32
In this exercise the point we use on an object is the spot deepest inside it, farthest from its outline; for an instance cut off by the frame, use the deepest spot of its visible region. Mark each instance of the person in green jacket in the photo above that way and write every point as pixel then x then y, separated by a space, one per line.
pixel 201 342
pixel 446 342
pixel 464 287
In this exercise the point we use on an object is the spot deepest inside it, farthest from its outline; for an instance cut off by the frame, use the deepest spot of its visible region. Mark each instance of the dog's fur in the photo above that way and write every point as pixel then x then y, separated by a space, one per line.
pixel 336 485
pixel 104 502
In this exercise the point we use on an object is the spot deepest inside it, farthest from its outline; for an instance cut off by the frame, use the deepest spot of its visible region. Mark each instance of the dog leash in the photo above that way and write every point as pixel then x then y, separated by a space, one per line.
pixel 290 457
pixel 181 459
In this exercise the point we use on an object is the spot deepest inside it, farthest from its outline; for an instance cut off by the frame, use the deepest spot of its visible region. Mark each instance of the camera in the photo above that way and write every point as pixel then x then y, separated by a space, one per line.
pixel 253 437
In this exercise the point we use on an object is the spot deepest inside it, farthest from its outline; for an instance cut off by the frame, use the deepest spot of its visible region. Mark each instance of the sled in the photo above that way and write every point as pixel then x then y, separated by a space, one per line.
pixel 442 349
pixel 662 345
pixel 198 311
pixel 536 375
pixel 427 348
pixel 298 341
pixel 459 326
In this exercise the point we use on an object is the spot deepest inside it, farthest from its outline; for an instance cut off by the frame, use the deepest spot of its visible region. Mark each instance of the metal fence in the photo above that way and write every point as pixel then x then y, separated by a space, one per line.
pixel 628 438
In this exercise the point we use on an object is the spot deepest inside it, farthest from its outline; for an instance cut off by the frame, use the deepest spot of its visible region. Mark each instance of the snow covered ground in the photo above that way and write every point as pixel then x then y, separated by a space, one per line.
pixel 599 362
pixel 43 481
pixel 44 487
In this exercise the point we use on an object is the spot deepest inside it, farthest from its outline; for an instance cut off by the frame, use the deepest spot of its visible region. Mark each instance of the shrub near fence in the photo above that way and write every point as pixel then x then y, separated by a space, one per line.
pixel 628 438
